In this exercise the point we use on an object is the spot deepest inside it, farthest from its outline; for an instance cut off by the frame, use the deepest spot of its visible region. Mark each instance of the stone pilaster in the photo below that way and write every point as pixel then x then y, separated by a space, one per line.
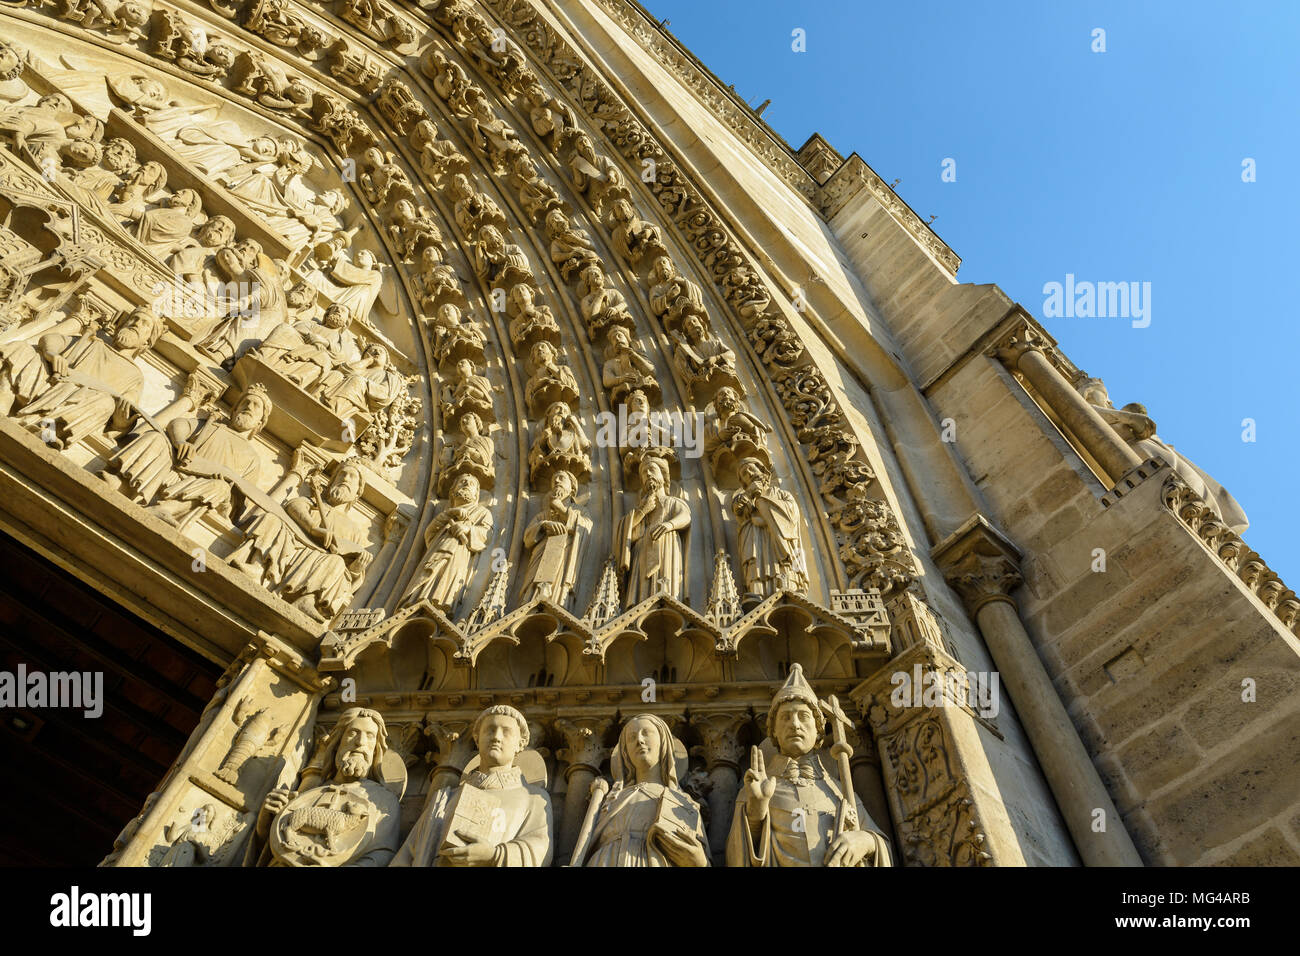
pixel 253 736
pixel 983 567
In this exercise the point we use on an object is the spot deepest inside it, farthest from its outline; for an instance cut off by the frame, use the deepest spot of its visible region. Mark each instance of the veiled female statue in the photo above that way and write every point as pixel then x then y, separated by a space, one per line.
pixel 647 819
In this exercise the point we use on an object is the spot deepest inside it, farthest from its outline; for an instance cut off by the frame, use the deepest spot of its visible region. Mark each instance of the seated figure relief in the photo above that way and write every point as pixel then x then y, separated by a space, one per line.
pixel 363 387
pixel 306 352
pixel 634 238
pixel 646 819
pixel 732 434
pixel 438 281
pixel 166 229
pixel 456 335
pixel 468 391
pixel 571 248
pixel 344 814
pixel 529 322
pixel 142 188
pixel 703 361
pixel 196 261
pixel 438 157
pixel 312 552
pixel 548 380
pixel 208 461
pixel 473 453
pixel 472 208
pixel 414 230
pixel 628 369
pixel 499 263
pixel 602 307
pixel 253 302
pixel 494 816
pixel 672 295
pixel 382 179
pixel 537 196
pixel 560 444
pixel 68 387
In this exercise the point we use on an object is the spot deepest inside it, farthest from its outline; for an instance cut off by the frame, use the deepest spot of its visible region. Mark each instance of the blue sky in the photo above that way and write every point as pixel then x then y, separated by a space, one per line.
pixel 1117 166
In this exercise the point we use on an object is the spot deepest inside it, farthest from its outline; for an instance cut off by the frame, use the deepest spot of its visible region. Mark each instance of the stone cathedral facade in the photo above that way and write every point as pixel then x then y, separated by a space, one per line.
pixel 503 449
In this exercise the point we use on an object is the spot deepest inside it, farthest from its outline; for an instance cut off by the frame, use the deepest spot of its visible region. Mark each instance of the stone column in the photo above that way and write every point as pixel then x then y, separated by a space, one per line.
pixel 1024 354
pixel 982 566
pixel 867 781
pixel 455 748
pixel 723 754
pixel 584 749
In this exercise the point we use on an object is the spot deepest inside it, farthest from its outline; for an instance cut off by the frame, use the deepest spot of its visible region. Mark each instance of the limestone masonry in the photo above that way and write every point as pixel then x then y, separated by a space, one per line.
pixel 549 466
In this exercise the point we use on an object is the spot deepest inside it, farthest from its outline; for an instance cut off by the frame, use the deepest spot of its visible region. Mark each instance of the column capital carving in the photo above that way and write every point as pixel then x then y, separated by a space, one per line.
pixel 720 743
pixel 584 742
pixel 980 563
pixel 453 747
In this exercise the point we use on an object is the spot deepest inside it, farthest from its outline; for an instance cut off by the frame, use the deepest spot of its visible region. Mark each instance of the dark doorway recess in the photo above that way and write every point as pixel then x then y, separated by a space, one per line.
pixel 72 782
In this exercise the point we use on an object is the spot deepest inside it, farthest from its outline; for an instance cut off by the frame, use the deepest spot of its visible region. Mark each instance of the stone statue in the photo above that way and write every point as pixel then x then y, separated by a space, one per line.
pixel 166 229
pixel 561 444
pixel 770 541
pixel 555 539
pixel 381 178
pixel 502 264
pixel 438 157
pixel 362 387
pixel 305 352
pixel 116 161
pixel 529 322
pixel 456 335
pixel 1136 427
pixel 672 295
pixel 792 810
pixel 571 248
pixel 255 302
pixel 602 307
pixel 647 819
pixel 469 392
pixel 473 454
pixel 414 229
pixel 195 262
pixel 548 380
pixel 144 185
pixel 93 383
pixel 493 817
pixel 537 196
pixel 702 360
pixel 730 431
pixel 648 542
pixel 627 369
pixel 472 208
pixel 453 537
pixel 634 238
pixel 212 459
pixel 351 819
pixel 317 561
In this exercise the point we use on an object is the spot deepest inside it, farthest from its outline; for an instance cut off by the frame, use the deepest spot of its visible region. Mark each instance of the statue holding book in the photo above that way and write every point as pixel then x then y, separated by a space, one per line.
pixel 500 812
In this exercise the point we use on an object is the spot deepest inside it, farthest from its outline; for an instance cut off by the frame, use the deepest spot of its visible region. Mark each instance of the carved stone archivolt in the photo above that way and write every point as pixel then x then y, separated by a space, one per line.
pixel 340 299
